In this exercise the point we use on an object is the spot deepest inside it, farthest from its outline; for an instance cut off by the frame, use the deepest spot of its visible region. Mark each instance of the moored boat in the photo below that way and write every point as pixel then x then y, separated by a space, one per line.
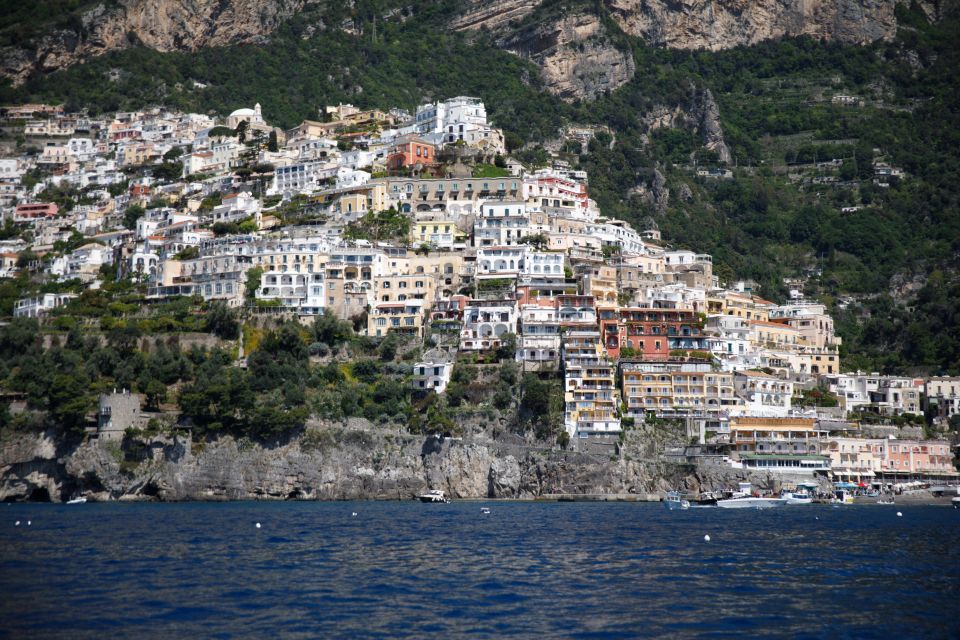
pixel 77 500
pixel 797 497
pixel 673 501
pixel 433 495
pixel 751 502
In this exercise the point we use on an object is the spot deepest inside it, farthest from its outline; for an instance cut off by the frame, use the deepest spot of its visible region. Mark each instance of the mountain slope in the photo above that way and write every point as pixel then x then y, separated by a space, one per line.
pixel 766 109
pixel 162 25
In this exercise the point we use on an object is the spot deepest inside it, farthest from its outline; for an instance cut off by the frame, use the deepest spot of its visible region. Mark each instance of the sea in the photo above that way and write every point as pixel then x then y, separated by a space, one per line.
pixel 523 570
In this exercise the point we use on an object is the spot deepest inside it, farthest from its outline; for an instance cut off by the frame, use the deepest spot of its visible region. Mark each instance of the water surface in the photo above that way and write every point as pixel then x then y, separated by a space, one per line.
pixel 575 570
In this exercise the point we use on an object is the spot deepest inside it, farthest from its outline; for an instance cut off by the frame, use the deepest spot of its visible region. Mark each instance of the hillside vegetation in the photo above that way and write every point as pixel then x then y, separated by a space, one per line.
pixel 888 266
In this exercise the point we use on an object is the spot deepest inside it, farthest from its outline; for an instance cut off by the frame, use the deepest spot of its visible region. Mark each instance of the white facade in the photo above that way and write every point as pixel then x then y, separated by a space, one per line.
pixel 39 305
pixel 431 376
pixel 763 395
pixel 539 341
pixel 501 223
pixel 484 322
pixel 501 261
pixel 543 264
pixel 303 177
pixel 303 292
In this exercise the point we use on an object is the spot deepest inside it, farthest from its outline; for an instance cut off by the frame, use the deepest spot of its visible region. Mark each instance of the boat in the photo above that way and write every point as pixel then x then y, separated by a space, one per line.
pixel 797 497
pixel 77 500
pixel 955 502
pixel 434 495
pixel 886 500
pixel 673 501
pixel 705 499
pixel 842 496
pixel 750 502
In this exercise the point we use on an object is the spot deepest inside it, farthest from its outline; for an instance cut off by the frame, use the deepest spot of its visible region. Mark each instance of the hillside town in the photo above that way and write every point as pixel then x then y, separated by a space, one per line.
pixel 424 224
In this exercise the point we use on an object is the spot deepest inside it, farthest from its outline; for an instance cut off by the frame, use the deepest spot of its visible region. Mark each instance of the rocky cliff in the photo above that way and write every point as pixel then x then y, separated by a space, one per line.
pixel 164 25
pixel 575 56
pixel 721 24
pixel 333 462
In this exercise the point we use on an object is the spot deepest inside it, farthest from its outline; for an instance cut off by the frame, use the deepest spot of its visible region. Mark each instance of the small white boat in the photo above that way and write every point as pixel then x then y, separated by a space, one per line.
pixel 674 501
pixel 750 502
pixel 955 502
pixel 434 495
pixel 797 497
pixel 485 510
pixel 79 500
pixel 888 500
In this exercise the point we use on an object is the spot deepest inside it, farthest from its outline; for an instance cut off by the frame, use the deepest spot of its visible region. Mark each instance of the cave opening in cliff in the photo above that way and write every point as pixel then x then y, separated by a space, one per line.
pixel 40 494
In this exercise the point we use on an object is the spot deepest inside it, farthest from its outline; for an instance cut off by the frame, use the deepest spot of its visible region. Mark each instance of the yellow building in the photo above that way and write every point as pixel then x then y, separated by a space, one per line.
pixel 437 232
pixel 676 388
pixel 403 287
pixel 741 305
pixel 404 316
pixel 774 335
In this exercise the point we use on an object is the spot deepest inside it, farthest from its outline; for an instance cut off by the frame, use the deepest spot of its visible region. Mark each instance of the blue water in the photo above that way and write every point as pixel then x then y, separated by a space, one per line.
pixel 525 570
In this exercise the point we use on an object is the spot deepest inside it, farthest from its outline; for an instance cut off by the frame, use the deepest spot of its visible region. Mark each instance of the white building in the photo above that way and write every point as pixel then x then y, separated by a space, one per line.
pixel 485 322
pixel 943 394
pixel 303 177
pixel 433 372
pixel 458 119
pixel 236 207
pixel 302 292
pixel 39 305
pixel 590 391
pixel 543 264
pixel 539 342
pixel 501 223
pixel 763 395
pixel 501 262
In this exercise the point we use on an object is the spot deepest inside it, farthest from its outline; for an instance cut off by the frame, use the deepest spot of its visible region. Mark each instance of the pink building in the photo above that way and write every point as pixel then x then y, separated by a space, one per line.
pixel 35 211
pixel 918 456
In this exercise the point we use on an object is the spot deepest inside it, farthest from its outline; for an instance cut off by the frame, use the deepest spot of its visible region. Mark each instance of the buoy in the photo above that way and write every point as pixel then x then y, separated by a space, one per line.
pixel 816 517
pixel 706 538
pixel 899 514
pixel 29 523
pixel 258 525
pixel 353 515
pixel 17 523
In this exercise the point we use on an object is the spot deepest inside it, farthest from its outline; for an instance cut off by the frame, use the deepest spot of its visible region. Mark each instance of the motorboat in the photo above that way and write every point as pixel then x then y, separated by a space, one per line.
pixel 750 502
pixel 887 500
pixel 955 502
pixel 797 497
pixel 433 495
pixel 745 499
pixel 705 499
pixel 77 500
pixel 673 501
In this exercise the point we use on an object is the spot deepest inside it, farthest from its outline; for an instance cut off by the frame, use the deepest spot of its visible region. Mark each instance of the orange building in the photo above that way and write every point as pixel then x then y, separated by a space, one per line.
pixel 410 152
pixel 35 211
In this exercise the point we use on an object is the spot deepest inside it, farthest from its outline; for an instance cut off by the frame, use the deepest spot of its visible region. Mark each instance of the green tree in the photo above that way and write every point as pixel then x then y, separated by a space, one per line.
pixel 222 321
pixel 133 213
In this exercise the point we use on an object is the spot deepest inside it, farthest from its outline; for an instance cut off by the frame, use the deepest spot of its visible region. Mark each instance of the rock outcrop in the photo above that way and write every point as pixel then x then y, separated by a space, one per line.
pixel 706 119
pixel 721 24
pixel 576 57
pixel 330 462
pixel 164 25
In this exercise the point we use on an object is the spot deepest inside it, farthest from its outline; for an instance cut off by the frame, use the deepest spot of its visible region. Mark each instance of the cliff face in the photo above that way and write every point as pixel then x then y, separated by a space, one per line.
pixel 721 24
pixel 578 60
pixel 575 57
pixel 336 462
pixel 164 25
